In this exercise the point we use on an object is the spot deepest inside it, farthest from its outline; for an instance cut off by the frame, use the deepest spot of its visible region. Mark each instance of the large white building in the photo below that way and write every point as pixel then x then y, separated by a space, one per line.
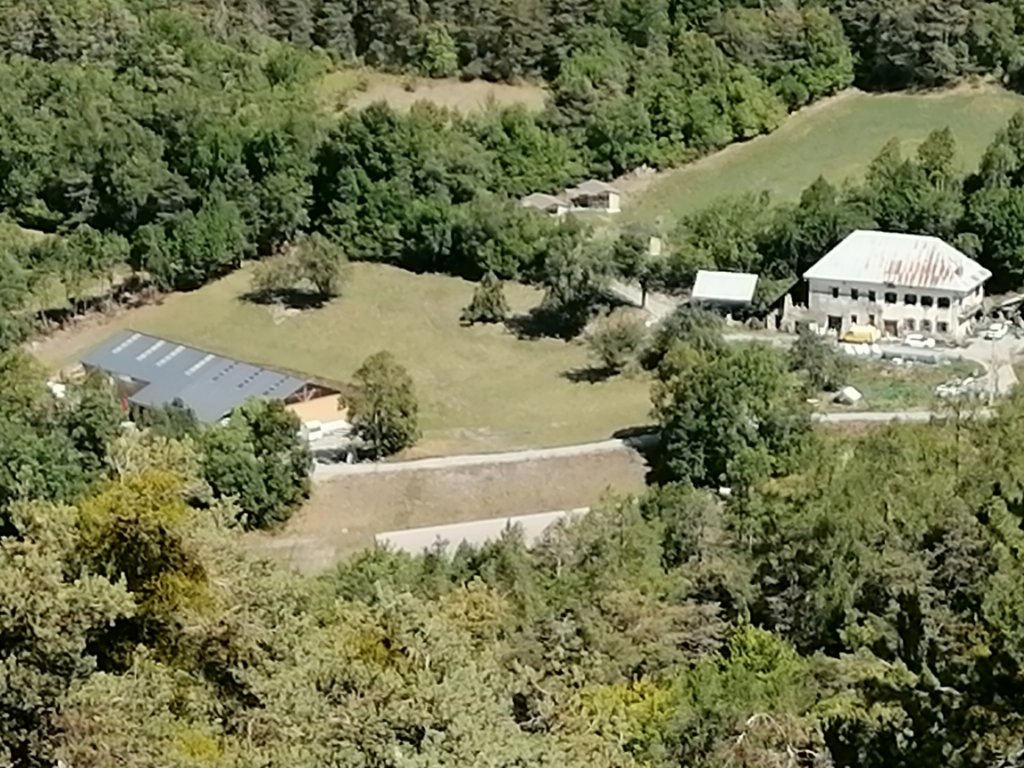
pixel 898 283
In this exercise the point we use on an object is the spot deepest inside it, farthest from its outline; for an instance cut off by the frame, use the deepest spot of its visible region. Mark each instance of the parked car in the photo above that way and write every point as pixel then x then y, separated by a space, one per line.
pixel 996 331
pixel 919 341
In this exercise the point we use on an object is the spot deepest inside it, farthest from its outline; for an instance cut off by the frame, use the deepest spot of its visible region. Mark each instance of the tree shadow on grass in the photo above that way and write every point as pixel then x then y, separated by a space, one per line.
pixel 290 299
pixel 591 374
pixel 543 323
pixel 645 440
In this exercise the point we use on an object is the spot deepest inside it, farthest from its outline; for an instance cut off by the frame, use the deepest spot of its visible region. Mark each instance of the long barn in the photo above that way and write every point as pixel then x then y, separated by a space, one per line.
pixel 150 372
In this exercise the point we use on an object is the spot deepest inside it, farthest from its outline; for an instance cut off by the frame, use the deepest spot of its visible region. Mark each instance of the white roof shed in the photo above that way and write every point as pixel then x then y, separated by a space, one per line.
pixel 724 287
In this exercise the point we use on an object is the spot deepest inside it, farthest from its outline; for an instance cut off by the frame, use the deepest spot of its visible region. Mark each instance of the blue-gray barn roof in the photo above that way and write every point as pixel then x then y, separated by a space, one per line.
pixel 211 385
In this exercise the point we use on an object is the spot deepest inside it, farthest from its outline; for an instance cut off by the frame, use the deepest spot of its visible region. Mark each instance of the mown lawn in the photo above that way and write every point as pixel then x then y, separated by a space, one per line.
pixel 480 388
pixel 835 139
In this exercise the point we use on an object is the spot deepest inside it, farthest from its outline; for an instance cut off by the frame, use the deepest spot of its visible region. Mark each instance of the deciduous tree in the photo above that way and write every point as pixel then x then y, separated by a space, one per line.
pixel 729 418
pixel 384 410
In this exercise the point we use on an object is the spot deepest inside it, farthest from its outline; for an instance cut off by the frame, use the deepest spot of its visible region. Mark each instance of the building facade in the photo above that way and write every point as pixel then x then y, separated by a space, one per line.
pixel 897 283
pixel 594 195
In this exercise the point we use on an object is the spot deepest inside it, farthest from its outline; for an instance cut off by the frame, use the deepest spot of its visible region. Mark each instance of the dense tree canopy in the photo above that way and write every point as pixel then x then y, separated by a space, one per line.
pixel 176 143
pixel 856 601
pixel 857 605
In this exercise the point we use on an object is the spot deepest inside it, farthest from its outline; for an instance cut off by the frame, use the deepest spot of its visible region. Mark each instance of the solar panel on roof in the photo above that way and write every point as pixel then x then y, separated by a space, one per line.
pixel 150 350
pixel 125 344
pixel 199 365
pixel 170 356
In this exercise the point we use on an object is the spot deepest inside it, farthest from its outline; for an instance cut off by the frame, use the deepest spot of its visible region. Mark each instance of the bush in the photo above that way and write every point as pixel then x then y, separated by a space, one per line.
pixel 617 340
pixel 819 362
pixel 488 305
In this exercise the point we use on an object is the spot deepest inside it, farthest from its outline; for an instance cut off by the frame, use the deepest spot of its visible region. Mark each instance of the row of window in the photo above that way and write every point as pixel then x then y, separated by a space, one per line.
pixel 908 324
pixel 926 326
pixel 891 298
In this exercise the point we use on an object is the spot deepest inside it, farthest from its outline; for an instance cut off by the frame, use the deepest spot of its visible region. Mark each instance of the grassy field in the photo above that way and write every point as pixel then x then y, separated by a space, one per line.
pixel 480 388
pixel 835 139
pixel 889 387
pixel 358 88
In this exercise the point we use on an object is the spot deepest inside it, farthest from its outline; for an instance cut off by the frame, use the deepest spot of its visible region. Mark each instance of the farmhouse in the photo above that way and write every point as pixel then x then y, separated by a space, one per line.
pixel 595 195
pixel 150 372
pixel 724 291
pixel 556 206
pixel 897 283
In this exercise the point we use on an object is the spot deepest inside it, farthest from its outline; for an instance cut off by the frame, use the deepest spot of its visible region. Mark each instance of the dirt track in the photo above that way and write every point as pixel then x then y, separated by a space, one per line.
pixel 347 510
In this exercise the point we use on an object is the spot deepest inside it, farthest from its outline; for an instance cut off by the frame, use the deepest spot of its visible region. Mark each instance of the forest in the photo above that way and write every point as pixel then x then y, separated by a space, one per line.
pixel 856 599
pixel 170 142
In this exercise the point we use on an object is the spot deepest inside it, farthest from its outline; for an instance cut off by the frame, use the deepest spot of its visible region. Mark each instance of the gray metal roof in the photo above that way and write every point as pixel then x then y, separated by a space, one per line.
pixel 901 260
pixel 543 202
pixel 592 187
pixel 211 385
pixel 731 287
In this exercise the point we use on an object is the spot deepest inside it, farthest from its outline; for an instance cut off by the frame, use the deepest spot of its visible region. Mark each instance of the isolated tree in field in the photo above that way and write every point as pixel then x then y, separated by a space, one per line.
pixel 574 284
pixel 322 263
pixel 315 265
pixel 818 361
pixel 384 410
pixel 274 277
pixel 617 340
pixel 489 304
pixel 691 326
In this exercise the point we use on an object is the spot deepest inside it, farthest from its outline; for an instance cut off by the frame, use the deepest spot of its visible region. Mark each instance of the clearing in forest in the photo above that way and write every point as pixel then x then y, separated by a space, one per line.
pixel 836 138
pixel 480 388
pixel 346 512
pixel 357 88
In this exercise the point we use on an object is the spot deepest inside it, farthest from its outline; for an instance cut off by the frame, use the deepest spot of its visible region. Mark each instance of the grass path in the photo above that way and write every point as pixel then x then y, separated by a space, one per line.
pixel 836 139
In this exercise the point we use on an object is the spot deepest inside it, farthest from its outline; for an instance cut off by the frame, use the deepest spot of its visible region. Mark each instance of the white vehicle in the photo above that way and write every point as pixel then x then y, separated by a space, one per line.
pixel 918 341
pixel 996 331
